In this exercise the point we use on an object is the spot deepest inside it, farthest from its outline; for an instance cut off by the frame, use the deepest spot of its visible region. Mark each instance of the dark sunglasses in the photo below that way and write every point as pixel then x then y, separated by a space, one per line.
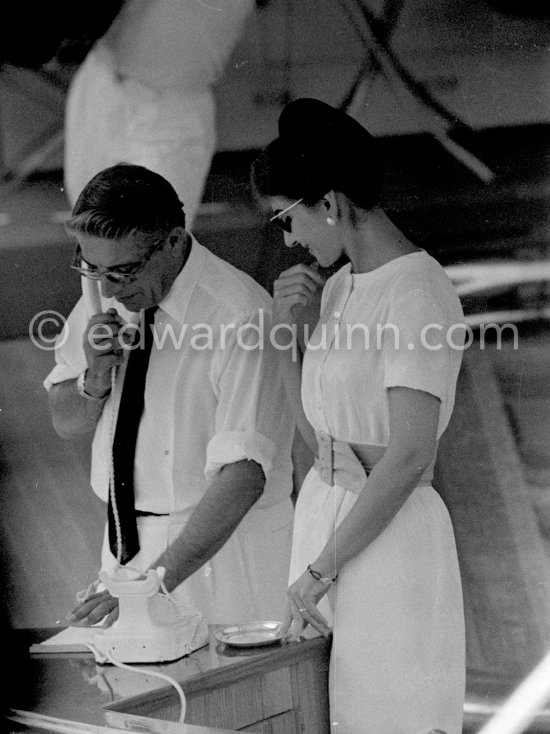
pixel 282 222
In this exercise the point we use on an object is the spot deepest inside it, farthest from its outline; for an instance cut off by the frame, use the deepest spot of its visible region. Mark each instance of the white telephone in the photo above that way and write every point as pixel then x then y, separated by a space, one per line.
pixel 151 626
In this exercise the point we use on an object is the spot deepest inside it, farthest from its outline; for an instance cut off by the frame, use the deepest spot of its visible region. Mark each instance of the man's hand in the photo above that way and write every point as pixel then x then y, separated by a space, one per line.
pixel 93 610
pixel 103 343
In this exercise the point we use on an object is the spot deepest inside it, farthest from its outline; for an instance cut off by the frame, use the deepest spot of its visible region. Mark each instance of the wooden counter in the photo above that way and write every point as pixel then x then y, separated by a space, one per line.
pixel 278 689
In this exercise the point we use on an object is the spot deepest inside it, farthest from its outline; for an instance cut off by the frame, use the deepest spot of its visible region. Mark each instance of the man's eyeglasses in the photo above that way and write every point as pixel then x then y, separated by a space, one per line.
pixel 284 223
pixel 124 274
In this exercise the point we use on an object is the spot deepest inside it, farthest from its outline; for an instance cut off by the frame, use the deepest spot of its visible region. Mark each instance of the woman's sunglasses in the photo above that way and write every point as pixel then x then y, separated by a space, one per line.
pixel 284 223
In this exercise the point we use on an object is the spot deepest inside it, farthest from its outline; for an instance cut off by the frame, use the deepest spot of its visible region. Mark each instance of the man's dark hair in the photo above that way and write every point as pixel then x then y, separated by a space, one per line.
pixel 125 200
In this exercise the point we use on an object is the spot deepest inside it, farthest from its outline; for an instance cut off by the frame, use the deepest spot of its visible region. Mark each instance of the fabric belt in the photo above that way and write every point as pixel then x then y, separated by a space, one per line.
pixel 348 465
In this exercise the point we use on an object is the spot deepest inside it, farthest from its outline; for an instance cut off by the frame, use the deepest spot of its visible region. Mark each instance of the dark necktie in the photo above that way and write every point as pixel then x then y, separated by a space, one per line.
pixel 124 444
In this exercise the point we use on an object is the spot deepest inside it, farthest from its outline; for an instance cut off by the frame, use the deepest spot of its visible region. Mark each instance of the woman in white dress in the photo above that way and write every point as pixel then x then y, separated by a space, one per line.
pixel 374 560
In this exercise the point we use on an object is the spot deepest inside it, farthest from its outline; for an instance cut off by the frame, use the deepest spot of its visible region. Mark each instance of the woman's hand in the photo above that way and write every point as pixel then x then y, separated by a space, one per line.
pixel 303 597
pixel 293 291
pixel 93 610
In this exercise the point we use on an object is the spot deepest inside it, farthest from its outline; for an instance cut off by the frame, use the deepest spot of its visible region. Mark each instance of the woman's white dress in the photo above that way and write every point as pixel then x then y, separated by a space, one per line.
pixel 398 654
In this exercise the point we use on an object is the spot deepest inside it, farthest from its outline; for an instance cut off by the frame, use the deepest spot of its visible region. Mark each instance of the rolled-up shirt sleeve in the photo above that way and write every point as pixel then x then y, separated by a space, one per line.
pixel 250 392
pixel 70 359
pixel 228 447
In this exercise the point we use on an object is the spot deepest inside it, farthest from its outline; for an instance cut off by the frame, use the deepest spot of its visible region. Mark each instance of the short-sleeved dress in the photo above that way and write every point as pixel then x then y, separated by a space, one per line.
pixel 398 654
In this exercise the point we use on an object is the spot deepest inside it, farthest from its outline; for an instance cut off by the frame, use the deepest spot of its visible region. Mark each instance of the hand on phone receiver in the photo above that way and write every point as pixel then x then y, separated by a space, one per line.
pixel 103 344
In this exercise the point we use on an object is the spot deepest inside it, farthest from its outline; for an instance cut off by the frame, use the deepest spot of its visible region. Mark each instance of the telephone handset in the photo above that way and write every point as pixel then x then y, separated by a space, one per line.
pixel 91 291
pixel 90 288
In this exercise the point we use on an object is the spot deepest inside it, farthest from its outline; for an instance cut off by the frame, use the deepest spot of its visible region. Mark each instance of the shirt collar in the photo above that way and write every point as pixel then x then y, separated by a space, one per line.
pixel 176 302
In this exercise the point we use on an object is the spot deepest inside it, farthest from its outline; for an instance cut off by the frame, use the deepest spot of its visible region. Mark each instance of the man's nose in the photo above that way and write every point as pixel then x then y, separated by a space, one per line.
pixel 110 289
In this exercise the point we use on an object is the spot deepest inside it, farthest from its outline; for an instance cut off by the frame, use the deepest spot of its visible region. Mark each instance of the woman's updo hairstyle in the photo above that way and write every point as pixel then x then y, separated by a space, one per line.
pixel 319 149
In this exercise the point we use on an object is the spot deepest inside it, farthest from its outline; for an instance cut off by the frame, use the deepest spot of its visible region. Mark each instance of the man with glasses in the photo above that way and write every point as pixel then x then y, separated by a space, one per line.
pixel 212 473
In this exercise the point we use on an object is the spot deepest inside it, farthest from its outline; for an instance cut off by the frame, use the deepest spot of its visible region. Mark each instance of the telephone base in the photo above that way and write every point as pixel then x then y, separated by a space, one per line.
pixel 151 627
pixel 156 646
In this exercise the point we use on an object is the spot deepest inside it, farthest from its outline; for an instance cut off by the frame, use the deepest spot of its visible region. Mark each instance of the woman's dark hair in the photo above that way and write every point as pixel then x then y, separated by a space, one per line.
pixel 126 199
pixel 319 149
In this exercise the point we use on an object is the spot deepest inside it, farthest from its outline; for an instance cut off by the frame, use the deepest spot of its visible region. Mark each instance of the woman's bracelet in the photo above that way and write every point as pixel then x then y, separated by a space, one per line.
pixel 325 580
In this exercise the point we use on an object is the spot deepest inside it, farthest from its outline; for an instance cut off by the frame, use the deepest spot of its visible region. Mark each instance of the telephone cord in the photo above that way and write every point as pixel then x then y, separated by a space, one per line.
pixel 112 430
pixel 101 657
pixel 84 595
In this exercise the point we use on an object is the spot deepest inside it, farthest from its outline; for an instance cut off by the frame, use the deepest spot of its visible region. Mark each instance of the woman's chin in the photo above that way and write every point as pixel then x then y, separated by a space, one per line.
pixel 325 262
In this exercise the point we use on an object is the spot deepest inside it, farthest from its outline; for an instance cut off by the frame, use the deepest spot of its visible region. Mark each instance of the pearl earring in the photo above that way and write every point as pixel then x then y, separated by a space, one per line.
pixel 330 221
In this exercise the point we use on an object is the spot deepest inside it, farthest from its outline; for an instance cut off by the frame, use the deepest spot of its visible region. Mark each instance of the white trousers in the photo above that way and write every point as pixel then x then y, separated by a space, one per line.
pixel 245 581
pixel 398 653
pixel 109 120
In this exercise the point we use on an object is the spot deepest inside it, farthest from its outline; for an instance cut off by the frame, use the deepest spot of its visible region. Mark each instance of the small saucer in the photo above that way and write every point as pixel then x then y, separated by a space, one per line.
pixel 252 634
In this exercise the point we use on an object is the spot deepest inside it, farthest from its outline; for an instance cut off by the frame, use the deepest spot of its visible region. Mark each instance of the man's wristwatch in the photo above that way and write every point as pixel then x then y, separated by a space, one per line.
pixel 80 386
